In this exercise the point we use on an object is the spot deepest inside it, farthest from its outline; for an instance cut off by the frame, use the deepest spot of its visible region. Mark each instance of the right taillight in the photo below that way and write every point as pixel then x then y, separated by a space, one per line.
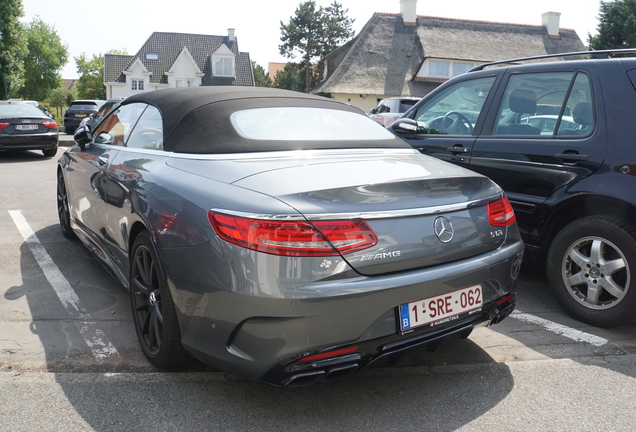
pixel 500 213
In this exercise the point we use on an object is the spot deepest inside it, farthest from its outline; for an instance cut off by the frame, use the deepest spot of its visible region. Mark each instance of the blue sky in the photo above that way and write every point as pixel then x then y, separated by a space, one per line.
pixel 96 27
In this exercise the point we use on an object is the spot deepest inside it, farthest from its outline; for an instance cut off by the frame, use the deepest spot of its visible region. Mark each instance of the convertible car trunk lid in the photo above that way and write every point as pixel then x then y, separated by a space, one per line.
pixel 424 212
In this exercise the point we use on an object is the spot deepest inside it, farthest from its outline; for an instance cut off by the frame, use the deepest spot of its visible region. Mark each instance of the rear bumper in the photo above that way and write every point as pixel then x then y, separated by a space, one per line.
pixel 257 328
pixel 294 372
pixel 29 141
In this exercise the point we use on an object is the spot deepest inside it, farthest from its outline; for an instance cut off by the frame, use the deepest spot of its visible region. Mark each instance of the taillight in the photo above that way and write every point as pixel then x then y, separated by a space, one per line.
pixel 49 124
pixel 500 213
pixel 294 238
pixel 3 125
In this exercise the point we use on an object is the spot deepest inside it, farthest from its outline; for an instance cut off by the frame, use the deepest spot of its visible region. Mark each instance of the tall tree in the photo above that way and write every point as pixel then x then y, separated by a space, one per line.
pixel 91 72
pixel 46 57
pixel 314 32
pixel 91 81
pixel 617 27
pixel 13 48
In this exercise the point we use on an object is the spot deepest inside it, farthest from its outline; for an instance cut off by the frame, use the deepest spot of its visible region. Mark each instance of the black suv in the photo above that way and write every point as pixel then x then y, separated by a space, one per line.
pixel 77 111
pixel 560 138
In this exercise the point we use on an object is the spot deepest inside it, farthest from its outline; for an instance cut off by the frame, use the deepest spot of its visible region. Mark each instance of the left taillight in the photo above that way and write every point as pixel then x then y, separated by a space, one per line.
pixel 294 238
pixel 500 213
pixel 50 124
pixel 3 125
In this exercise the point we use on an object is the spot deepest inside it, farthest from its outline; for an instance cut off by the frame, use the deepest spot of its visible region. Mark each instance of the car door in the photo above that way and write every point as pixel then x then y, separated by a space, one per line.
pixel 91 164
pixel 449 120
pixel 540 135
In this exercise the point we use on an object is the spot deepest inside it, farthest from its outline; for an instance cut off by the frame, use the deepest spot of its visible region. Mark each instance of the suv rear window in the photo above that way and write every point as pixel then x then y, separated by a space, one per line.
pixel 83 106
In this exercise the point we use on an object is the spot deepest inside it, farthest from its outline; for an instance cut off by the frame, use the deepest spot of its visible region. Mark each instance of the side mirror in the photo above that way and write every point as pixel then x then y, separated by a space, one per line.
pixel 82 136
pixel 405 126
pixel 374 111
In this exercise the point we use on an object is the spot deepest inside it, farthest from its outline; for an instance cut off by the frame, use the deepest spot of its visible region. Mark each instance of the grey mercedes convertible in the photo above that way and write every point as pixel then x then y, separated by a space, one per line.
pixel 283 237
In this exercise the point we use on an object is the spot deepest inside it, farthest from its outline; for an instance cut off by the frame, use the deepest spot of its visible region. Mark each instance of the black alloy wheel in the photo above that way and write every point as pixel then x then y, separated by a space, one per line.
pixel 154 313
pixel 63 212
pixel 591 267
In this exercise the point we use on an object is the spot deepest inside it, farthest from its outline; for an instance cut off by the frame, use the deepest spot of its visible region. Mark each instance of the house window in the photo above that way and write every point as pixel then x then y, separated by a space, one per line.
pixel 224 66
pixel 460 68
pixel 152 56
pixel 137 84
pixel 439 68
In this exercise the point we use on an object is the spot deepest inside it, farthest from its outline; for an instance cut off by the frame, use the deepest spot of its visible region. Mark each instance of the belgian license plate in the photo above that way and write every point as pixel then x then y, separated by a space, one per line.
pixel 441 307
pixel 26 127
pixel 80 115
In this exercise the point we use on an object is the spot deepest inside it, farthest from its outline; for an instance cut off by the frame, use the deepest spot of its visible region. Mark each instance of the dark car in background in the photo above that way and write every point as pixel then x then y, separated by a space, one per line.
pixel 284 237
pixel 77 111
pixel 558 137
pixel 96 117
pixel 25 127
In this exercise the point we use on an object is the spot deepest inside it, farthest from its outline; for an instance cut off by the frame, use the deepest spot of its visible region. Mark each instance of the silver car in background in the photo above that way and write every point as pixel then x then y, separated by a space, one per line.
pixel 284 237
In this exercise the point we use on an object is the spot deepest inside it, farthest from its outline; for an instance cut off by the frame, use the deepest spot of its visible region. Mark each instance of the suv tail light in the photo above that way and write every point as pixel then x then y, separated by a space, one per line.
pixel 294 238
pixel 500 213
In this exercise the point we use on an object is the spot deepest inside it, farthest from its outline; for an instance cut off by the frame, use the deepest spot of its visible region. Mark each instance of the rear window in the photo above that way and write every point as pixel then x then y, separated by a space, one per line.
pixel 83 106
pixel 19 110
pixel 303 123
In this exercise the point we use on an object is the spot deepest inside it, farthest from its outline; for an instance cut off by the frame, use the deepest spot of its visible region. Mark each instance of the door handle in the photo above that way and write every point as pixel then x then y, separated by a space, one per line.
pixel 457 149
pixel 571 157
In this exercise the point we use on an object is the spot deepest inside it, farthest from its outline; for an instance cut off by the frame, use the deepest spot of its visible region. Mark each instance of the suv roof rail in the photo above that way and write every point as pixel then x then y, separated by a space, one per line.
pixel 599 54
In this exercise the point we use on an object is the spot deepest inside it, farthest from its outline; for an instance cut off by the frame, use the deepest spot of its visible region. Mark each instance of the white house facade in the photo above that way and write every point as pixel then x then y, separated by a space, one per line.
pixel 178 60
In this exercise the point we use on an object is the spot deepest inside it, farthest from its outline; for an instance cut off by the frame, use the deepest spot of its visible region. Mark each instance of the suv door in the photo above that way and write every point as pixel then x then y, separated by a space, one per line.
pixel 448 122
pixel 541 134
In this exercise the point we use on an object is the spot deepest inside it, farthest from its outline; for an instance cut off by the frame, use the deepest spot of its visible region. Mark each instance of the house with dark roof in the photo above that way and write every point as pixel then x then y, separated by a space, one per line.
pixel 178 60
pixel 409 55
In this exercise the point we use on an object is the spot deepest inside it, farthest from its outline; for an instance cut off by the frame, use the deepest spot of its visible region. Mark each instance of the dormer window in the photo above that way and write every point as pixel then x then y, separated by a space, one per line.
pixel 152 56
pixel 442 69
pixel 223 62
pixel 224 66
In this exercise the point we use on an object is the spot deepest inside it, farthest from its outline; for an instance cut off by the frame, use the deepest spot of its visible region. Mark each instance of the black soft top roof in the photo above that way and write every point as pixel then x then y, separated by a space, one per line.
pixel 197 119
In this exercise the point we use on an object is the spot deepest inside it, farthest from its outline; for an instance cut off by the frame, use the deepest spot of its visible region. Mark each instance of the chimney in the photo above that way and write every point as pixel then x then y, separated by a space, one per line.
pixel 230 34
pixel 408 11
pixel 551 21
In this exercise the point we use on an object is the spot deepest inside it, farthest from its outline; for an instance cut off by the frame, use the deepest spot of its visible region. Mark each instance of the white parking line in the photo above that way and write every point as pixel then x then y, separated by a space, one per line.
pixel 94 337
pixel 559 329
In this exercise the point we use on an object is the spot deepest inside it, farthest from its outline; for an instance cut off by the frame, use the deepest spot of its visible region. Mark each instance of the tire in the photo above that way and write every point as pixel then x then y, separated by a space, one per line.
pixel 154 313
pixel 63 212
pixel 591 265
pixel 50 152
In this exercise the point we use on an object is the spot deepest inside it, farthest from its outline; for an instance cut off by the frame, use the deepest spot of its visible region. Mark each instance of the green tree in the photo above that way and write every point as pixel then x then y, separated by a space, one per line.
pixel 13 48
pixel 617 27
pixel 46 57
pixel 314 32
pixel 261 79
pixel 91 81
pixel 59 99
pixel 292 77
